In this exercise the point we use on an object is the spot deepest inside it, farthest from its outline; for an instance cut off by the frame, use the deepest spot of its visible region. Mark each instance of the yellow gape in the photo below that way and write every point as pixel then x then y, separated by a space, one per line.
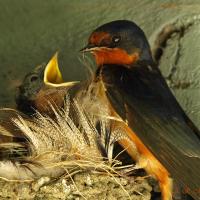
pixel 52 74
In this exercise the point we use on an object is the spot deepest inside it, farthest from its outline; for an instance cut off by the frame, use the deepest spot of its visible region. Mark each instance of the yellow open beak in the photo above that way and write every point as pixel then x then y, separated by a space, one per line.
pixel 52 74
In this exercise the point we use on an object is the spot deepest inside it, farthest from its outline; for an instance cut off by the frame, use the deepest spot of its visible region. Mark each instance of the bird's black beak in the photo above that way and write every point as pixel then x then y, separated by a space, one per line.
pixel 89 48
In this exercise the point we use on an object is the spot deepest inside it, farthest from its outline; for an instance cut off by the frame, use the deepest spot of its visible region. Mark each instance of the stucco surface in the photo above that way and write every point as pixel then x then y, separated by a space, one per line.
pixel 32 31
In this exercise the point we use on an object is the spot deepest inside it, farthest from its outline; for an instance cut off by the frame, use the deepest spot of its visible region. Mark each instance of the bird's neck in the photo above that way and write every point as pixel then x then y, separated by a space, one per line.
pixel 135 65
pixel 115 56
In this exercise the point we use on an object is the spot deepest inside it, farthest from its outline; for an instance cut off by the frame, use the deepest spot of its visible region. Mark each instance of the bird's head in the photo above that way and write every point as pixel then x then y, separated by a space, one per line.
pixel 118 42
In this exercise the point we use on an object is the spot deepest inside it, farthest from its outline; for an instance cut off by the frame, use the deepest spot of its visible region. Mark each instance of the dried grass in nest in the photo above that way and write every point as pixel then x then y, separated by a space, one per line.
pixel 61 146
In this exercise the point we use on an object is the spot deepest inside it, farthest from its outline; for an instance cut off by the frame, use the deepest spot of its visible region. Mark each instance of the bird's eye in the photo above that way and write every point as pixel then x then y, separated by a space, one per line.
pixel 116 39
pixel 34 78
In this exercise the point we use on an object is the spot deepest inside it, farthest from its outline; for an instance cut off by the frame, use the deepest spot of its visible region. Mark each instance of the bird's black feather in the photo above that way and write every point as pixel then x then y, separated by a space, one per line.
pixel 140 95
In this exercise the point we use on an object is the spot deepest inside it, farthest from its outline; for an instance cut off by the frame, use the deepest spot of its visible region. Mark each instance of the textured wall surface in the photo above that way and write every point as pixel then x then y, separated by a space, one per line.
pixel 31 31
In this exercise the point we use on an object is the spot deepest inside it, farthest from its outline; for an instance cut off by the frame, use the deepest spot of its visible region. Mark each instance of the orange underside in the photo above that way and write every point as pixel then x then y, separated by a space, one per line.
pixel 114 56
pixel 139 152
pixel 153 166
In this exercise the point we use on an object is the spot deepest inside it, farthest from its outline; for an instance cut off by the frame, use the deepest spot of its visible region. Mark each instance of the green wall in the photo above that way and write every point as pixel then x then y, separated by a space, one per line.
pixel 31 31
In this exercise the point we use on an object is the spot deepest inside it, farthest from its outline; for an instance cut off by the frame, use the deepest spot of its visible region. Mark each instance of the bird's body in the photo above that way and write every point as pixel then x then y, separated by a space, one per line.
pixel 42 86
pixel 40 91
pixel 130 92
pixel 167 141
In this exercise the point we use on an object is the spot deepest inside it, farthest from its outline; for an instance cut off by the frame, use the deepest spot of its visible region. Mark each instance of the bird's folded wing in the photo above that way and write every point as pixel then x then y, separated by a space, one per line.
pixel 141 96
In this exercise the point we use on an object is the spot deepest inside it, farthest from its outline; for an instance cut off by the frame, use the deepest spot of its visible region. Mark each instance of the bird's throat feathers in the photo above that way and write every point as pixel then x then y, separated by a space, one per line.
pixel 115 56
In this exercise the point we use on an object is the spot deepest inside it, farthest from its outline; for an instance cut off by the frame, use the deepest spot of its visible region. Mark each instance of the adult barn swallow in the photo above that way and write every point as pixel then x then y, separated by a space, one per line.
pixel 166 139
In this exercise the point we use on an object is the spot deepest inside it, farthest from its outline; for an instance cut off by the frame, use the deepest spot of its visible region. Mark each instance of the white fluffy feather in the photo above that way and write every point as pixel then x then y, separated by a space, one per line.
pixel 58 143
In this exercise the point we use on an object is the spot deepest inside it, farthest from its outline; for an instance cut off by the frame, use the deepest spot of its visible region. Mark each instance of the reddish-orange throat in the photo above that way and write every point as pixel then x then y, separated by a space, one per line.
pixel 114 56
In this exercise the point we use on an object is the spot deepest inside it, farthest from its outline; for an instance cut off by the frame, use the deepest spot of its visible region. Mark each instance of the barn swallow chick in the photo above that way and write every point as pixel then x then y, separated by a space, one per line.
pixel 45 84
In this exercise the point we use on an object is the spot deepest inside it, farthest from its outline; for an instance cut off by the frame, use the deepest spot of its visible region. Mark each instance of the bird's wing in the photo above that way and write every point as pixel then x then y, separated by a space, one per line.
pixel 141 96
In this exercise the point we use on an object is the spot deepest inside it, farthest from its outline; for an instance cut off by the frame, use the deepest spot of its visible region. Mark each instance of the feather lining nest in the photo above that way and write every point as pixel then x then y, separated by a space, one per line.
pixel 68 143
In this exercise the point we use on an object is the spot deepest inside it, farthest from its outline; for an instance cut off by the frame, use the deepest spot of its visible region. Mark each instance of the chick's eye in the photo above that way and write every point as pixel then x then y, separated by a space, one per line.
pixel 34 78
pixel 116 39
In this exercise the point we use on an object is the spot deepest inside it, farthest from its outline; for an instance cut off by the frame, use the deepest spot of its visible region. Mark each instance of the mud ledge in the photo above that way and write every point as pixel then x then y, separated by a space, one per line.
pixel 83 185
